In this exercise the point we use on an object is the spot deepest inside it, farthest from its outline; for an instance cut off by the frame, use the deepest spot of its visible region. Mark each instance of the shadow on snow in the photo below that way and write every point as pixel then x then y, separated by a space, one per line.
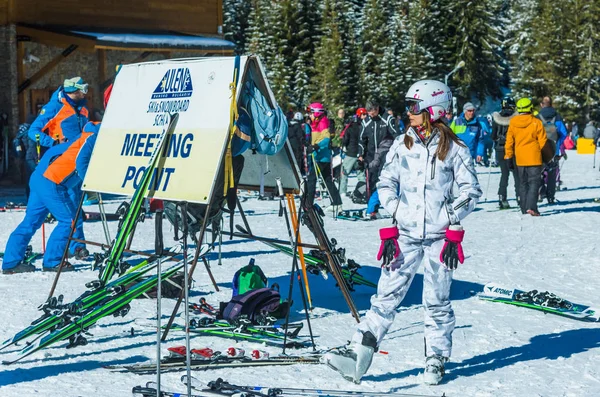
pixel 19 375
pixel 541 347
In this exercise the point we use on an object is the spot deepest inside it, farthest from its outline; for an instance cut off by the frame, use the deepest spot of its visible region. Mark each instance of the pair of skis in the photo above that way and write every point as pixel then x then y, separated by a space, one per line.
pixel 29 257
pixel 272 335
pixel 13 207
pixel 113 259
pixel 71 322
pixel 539 300
pixel 351 215
pixel 220 387
pixel 206 358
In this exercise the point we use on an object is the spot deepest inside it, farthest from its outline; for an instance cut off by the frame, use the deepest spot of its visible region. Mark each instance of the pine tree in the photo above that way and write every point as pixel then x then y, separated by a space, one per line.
pixel 236 14
pixel 436 40
pixel 332 57
pixel 420 61
pixel 477 33
pixel 521 45
pixel 302 43
pixel 375 41
pixel 256 35
pixel 395 76
pixel 269 38
pixel 589 76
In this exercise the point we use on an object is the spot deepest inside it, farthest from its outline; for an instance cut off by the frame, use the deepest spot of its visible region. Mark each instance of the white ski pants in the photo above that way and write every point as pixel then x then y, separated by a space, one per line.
pixel 392 288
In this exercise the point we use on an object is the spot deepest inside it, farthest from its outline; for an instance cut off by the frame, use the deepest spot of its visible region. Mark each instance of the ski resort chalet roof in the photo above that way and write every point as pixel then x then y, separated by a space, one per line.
pixel 161 40
pixel 126 40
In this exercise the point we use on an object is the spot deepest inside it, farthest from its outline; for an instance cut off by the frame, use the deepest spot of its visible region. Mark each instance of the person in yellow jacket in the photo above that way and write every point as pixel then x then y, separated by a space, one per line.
pixel 525 139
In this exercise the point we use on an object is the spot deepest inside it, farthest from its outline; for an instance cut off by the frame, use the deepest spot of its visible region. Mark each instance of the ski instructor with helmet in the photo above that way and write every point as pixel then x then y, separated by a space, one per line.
pixel 415 186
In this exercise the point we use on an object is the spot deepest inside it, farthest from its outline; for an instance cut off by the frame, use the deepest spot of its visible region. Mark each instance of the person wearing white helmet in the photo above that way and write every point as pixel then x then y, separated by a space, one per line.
pixel 416 187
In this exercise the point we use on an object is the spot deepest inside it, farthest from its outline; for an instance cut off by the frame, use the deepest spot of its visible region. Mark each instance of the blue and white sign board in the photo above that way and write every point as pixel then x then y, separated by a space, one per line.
pixel 143 97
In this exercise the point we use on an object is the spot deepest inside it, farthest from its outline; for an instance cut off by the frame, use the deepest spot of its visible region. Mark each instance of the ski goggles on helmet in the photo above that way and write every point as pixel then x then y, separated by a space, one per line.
pixel 75 84
pixel 316 111
pixel 82 87
pixel 413 106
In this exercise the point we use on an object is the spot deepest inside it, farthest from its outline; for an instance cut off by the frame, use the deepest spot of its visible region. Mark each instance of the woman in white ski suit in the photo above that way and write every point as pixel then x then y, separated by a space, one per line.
pixel 416 187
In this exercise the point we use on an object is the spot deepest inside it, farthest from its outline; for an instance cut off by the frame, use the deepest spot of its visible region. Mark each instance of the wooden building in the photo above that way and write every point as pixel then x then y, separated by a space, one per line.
pixel 43 42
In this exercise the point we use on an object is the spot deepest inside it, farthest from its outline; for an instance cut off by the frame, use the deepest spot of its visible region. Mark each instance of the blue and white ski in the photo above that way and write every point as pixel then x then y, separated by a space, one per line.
pixel 539 300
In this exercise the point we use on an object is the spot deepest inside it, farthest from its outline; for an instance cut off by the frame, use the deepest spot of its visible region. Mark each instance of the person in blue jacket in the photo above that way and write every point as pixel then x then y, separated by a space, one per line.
pixel 62 119
pixel 472 131
pixel 61 169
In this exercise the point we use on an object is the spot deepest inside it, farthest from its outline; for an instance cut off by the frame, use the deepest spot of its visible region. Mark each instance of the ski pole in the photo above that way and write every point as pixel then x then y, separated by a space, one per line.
pixel 321 179
pixel 103 217
pixel 294 244
pixel 44 237
pixel 38 150
pixel 37 147
pixel 487 188
pixel 294 216
pixel 186 296
pixel 159 248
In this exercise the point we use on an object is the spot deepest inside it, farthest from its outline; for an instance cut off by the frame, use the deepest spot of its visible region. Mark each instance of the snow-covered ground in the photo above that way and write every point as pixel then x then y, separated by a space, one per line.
pixel 499 350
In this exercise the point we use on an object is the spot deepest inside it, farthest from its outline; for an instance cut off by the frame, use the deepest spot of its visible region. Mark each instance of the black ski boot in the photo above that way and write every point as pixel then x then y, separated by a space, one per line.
pixel 80 253
pixel 67 267
pixel 503 203
pixel 22 267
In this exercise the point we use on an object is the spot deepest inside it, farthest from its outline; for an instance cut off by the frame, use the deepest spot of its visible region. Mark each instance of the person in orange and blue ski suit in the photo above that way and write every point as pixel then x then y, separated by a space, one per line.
pixel 61 120
pixel 63 117
pixel 61 169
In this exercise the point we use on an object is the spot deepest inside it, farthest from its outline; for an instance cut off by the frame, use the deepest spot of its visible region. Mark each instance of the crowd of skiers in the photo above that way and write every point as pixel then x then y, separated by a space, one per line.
pixel 319 143
pixel 329 149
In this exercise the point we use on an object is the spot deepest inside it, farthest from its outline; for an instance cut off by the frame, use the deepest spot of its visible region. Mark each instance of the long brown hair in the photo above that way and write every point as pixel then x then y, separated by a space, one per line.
pixel 446 136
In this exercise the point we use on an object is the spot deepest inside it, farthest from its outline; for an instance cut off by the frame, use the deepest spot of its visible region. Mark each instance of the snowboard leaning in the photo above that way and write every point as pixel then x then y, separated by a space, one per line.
pixel 539 300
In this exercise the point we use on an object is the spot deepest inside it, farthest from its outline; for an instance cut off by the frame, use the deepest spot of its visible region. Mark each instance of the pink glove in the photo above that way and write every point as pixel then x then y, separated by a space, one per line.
pixel 452 252
pixel 389 248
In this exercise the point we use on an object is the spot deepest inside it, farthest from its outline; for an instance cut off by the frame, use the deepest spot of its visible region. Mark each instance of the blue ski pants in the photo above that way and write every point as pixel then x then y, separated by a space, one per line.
pixel 45 197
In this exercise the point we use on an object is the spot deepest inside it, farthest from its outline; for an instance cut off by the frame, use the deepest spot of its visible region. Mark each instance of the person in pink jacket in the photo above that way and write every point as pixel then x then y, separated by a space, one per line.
pixel 319 157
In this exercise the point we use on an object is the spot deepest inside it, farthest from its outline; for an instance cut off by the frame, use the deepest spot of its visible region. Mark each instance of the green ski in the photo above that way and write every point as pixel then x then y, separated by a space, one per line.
pixel 111 263
pixel 55 312
pixel 117 305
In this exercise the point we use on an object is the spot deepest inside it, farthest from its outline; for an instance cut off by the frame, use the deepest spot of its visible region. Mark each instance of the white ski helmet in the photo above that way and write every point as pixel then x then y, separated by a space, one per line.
pixel 431 95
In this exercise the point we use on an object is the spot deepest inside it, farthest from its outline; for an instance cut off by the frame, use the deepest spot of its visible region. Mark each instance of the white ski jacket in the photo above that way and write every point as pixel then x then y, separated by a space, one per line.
pixel 416 187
